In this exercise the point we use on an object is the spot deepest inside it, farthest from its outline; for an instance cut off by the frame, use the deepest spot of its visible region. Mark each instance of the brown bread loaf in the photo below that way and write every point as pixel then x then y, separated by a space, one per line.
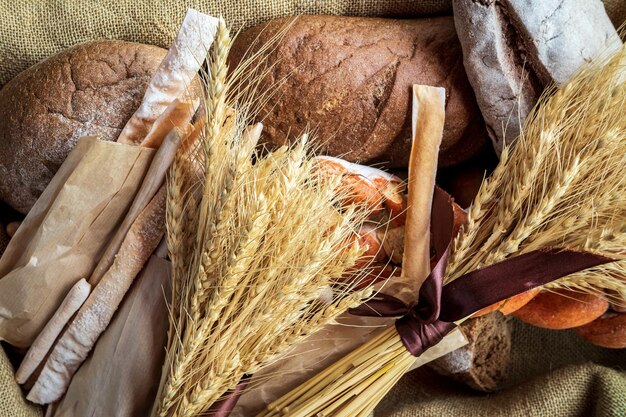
pixel 350 79
pixel 608 331
pixel 483 363
pixel 90 89
pixel 562 309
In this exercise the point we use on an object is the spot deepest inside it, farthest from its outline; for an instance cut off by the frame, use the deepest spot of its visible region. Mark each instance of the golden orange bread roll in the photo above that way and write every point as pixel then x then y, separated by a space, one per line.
pixel 608 331
pixel 562 309
pixel 509 305
pixel 364 185
pixel 12 228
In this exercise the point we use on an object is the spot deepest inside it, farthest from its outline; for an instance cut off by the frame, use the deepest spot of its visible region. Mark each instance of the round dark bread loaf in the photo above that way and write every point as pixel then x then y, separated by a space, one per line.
pixel 483 363
pixel 90 89
pixel 350 79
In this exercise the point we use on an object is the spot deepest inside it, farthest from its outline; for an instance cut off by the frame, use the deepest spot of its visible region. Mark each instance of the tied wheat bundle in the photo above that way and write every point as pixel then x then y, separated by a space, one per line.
pixel 261 256
pixel 562 185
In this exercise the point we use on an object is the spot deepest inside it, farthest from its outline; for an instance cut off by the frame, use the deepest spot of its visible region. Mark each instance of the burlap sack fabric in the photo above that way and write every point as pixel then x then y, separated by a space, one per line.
pixel 552 373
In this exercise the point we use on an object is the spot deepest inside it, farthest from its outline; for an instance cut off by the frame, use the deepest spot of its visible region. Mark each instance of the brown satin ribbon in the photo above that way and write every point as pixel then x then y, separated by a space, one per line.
pixel 425 323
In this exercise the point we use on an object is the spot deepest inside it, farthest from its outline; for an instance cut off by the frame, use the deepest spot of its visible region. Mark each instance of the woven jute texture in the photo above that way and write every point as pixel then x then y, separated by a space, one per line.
pixel 552 373
pixel 33 30
pixel 12 403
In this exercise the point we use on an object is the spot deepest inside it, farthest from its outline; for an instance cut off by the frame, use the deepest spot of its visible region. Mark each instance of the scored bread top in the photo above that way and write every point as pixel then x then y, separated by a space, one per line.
pixel 350 79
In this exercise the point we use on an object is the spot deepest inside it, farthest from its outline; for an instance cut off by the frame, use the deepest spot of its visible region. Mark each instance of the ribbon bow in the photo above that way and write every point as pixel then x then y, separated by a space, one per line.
pixel 426 322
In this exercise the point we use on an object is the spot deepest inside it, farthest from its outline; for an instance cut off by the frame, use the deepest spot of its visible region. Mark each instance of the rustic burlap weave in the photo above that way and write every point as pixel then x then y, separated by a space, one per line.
pixel 552 373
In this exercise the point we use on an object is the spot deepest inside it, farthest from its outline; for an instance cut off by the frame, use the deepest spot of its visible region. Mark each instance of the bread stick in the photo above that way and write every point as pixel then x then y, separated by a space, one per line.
pixel 42 344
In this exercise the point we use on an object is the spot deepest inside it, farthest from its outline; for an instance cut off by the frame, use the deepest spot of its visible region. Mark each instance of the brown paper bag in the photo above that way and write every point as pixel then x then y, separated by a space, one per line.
pixel 64 234
pixel 122 375
pixel 308 357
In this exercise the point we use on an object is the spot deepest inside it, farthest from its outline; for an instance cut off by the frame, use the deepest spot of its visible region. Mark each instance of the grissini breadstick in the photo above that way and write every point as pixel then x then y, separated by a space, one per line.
pixel 93 317
pixel 427 136
pixel 179 67
pixel 42 344
pixel 150 185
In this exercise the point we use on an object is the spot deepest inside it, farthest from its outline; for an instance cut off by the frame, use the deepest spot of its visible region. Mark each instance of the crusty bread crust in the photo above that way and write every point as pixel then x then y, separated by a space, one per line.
pixel 351 78
pixel 90 89
pixel 483 364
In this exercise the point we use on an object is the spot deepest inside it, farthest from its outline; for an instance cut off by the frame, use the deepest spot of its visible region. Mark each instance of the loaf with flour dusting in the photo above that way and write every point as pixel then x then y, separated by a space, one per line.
pixel 90 89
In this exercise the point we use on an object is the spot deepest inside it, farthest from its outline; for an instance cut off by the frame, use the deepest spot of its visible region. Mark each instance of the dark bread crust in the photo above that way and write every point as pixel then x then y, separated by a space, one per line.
pixel 4 238
pixel 90 89
pixel 350 79
pixel 483 363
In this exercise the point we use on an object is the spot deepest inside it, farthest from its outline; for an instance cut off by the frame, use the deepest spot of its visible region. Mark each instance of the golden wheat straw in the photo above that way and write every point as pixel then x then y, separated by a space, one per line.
pixel 256 241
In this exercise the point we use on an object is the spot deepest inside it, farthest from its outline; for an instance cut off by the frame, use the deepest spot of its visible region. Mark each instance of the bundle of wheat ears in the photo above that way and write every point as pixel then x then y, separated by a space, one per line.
pixel 561 185
pixel 256 243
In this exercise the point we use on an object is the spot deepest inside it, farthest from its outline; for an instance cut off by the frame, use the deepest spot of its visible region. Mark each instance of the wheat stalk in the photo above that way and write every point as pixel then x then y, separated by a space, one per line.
pixel 562 185
pixel 256 240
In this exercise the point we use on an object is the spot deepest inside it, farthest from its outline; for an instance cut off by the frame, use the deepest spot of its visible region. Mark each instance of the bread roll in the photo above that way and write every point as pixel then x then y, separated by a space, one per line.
pixel 351 77
pixel 562 309
pixel 608 331
pixel 90 89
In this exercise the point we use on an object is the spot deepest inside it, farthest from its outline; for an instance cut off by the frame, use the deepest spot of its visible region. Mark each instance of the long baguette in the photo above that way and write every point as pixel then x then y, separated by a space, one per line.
pixel 95 314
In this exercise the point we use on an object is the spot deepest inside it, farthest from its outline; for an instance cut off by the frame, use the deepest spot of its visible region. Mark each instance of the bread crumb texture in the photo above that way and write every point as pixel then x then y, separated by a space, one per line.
pixel 90 89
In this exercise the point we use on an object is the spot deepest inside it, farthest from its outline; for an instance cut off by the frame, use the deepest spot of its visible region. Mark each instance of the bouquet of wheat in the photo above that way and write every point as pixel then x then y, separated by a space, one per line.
pixel 257 245
pixel 560 192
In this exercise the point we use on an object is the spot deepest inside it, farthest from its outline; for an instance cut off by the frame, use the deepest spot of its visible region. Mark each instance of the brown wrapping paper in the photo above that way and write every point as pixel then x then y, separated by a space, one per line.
pixel 122 375
pixel 65 233
pixel 307 358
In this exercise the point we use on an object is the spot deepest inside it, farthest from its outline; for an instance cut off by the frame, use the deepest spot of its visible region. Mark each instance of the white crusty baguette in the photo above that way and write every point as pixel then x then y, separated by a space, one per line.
pixel 174 75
